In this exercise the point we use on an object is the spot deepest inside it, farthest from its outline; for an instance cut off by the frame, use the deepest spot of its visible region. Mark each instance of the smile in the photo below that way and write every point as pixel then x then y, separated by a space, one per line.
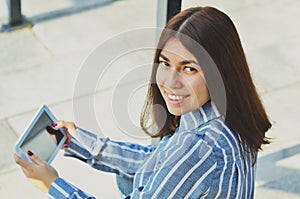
pixel 176 99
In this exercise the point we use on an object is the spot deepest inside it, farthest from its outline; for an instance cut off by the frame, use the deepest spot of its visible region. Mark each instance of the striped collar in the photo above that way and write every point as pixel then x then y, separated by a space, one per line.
pixel 196 118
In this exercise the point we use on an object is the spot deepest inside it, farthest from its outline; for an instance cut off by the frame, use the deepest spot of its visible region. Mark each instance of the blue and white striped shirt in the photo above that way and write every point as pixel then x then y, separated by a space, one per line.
pixel 202 159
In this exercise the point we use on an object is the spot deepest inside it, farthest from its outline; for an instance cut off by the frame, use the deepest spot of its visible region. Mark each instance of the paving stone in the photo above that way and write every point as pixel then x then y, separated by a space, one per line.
pixel 288 183
pixel 26 45
pixel 26 90
pixel 263 193
pixel 14 185
pixel 20 122
pixel 278 59
pixel 283 111
pixel 295 159
pixel 3 12
pixel 7 143
pixel 97 25
pixel 275 166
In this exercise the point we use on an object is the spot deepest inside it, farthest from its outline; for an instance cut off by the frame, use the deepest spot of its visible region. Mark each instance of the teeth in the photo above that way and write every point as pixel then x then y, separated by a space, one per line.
pixel 175 97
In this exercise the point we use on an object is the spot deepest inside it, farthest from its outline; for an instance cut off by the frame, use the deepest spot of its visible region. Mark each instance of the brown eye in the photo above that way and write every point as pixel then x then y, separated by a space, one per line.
pixel 190 69
pixel 163 63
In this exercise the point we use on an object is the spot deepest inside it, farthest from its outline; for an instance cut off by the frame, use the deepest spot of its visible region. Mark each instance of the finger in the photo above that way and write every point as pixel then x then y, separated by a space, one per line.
pixel 24 164
pixel 35 159
pixel 51 130
pixel 55 133
pixel 65 146
pixel 25 172
pixel 68 125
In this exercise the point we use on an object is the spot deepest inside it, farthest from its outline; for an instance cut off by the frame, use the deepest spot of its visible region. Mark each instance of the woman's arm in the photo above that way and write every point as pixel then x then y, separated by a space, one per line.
pixel 64 190
pixel 103 154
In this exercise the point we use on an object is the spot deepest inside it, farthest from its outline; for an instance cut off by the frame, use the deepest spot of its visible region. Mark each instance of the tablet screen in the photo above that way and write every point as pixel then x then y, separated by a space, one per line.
pixel 39 141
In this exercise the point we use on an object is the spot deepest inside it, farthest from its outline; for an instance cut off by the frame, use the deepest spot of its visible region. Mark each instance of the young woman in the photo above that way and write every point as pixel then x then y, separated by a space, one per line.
pixel 212 128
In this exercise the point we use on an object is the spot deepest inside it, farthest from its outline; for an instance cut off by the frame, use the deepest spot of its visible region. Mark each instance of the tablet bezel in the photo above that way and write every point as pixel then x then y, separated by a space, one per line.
pixel 43 109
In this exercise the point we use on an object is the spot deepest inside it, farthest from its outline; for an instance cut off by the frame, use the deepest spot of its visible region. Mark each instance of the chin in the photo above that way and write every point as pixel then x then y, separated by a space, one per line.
pixel 181 110
pixel 176 111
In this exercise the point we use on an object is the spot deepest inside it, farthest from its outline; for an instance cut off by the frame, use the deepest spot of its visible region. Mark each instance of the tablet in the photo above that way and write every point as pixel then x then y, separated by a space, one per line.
pixel 40 138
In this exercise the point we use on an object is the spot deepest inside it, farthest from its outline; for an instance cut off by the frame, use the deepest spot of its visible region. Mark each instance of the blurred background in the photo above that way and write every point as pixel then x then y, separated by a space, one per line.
pixel 41 60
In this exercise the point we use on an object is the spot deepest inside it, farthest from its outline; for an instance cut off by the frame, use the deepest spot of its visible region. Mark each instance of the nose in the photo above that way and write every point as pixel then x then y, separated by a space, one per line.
pixel 173 79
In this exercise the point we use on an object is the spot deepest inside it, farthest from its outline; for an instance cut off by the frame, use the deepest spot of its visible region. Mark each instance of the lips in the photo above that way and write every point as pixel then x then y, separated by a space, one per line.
pixel 175 99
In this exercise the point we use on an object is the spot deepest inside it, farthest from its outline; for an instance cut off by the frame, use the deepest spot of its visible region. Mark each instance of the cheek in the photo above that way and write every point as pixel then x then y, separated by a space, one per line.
pixel 200 90
pixel 158 82
pixel 159 78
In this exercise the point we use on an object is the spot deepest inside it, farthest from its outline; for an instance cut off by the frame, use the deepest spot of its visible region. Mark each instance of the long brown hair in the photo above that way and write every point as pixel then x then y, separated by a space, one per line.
pixel 216 33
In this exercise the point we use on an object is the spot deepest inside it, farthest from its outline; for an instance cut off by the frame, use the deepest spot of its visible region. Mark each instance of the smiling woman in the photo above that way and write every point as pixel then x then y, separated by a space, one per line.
pixel 199 56
pixel 180 79
pixel 210 120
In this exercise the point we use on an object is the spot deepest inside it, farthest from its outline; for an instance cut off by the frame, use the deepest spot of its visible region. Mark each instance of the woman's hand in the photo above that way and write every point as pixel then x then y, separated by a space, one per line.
pixel 39 172
pixel 70 129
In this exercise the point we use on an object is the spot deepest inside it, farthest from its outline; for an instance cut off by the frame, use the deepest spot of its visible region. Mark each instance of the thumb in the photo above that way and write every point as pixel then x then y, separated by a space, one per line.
pixel 35 159
pixel 70 126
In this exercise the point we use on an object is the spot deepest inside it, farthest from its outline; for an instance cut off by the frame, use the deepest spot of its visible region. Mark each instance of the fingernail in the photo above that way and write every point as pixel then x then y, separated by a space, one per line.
pixel 65 146
pixel 54 124
pixel 29 153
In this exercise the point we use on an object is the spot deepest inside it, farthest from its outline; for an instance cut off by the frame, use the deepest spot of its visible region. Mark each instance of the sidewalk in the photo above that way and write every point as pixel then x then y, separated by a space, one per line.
pixel 41 65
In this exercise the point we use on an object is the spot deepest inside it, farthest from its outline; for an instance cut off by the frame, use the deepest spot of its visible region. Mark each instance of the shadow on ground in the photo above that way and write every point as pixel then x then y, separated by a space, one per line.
pixel 284 178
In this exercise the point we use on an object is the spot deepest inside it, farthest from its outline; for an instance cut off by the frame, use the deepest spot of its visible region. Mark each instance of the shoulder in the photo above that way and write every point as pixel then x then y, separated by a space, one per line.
pixel 212 137
pixel 218 135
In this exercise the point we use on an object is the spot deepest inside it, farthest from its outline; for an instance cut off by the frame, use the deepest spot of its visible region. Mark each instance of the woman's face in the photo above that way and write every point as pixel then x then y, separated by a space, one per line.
pixel 180 79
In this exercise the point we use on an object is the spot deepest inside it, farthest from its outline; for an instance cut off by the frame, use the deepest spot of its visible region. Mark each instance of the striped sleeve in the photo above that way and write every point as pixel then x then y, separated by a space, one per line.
pixel 106 155
pixel 185 170
pixel 62 189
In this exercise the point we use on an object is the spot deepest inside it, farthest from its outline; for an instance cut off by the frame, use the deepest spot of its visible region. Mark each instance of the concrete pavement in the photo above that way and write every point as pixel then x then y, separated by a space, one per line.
pixel 41 65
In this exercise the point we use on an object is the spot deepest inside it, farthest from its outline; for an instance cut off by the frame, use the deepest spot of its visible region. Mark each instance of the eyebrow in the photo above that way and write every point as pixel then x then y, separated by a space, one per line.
pixel 182 62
